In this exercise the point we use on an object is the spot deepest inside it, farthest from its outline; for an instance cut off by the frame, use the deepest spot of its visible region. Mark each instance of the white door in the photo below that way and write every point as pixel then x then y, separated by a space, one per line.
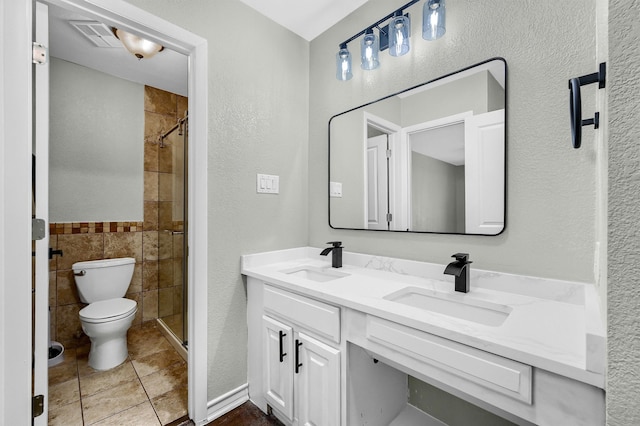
pixel 41 264
pixel 317 383
pixel 484 173
pixel 278 365
pixel 377 183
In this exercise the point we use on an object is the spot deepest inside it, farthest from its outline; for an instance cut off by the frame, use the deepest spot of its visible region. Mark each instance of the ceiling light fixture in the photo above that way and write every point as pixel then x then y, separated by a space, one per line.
pixel 393 36
pixel 141 48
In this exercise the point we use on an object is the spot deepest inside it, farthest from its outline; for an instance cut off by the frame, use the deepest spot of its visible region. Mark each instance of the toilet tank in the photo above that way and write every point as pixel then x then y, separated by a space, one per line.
pixel 103 279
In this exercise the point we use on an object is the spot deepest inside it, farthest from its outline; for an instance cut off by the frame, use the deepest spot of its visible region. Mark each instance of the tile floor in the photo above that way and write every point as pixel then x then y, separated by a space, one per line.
pixel 149 388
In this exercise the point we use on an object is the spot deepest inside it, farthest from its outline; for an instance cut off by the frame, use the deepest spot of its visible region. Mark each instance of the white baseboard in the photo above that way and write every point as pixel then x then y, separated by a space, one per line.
pixel 227 402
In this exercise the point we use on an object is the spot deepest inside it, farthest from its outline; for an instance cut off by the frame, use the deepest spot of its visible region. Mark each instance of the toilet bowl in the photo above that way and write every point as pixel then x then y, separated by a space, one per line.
pixel 106 323
pixel 101 284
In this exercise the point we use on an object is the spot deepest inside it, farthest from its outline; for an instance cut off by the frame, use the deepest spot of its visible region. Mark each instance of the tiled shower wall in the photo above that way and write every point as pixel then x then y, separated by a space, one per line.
pixel 157 280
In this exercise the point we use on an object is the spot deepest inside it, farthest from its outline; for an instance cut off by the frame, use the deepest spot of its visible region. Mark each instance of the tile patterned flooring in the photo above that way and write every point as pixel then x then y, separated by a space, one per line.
pixel 149 388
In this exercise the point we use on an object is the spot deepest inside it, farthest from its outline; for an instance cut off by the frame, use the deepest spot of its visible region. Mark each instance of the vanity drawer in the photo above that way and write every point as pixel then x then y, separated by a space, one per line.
pixel 494 372
pixel 319 317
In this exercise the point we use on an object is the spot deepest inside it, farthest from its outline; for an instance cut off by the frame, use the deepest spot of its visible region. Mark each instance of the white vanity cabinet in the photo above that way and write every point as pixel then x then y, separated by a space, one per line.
pixel 297 369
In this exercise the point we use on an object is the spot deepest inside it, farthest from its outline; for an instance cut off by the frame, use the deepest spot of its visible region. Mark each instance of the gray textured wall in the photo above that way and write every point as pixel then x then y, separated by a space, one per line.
pixel 258 123
pixel 96 146
pixel 549 233
pixel 623 85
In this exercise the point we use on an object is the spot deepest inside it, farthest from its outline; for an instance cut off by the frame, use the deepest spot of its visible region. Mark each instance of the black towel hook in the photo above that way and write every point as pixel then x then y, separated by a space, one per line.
pixel 575 103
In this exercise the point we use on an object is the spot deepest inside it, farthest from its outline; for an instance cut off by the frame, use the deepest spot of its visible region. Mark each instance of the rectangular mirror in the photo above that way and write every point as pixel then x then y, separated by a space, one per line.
pixel 428 159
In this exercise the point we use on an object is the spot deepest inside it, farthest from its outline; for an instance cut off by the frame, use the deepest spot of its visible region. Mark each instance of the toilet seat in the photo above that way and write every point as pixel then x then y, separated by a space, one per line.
pixel 108 310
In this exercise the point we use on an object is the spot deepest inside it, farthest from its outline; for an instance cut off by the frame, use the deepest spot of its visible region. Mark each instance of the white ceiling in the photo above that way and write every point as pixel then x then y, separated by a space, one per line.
pixel 168 70
pixel 307 18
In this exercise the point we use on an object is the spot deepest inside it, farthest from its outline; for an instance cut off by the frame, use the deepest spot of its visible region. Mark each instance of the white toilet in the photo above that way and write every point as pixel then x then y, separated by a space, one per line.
pixel 102 284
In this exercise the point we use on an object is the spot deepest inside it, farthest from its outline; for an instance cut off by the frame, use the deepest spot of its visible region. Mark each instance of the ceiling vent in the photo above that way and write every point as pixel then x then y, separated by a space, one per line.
pixel 97 32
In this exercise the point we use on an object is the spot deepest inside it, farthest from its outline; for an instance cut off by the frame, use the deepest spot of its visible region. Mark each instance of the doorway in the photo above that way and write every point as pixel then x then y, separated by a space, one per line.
pixel 120 14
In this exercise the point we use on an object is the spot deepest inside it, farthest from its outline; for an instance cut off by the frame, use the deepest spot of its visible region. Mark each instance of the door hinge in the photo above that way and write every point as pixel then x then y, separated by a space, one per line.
pixel 40 54
pixel 38 229
pixel 389 217
pixel 38 405
pixel 388 153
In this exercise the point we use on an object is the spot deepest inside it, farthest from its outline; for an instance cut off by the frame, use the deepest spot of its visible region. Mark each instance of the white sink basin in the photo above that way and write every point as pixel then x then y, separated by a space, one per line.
pixel 314 273
pixel 454 305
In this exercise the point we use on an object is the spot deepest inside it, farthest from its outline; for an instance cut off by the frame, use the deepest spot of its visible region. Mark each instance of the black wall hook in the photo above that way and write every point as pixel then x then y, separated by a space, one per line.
pixel 575 103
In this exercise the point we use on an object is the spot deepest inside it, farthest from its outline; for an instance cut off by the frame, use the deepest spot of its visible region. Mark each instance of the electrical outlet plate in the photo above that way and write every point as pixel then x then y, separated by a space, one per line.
pixel 267 184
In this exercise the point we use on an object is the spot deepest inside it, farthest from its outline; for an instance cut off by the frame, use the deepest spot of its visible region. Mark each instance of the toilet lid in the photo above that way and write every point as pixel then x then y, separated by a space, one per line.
pixel 108 310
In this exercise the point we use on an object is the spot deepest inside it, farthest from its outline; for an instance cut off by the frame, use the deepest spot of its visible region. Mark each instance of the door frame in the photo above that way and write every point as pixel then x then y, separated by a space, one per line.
pixel 15 200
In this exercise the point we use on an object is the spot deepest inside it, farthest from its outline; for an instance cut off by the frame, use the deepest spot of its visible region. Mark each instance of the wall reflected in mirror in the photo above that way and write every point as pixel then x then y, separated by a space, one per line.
pixel 428 159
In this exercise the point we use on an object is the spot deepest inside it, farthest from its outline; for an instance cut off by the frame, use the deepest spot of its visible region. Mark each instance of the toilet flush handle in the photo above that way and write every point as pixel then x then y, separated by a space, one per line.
pixel 80 273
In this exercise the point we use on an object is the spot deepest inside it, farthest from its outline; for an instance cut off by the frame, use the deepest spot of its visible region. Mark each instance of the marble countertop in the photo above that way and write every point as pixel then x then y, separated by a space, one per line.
pixel 553 325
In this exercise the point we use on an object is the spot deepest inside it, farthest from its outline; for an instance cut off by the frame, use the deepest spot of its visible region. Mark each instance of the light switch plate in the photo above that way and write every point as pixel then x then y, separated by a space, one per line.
pixel 335 189
pixel 267 184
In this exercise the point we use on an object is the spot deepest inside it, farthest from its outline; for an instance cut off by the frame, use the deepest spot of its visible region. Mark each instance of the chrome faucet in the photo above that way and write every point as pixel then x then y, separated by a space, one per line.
pixel 460 269
pixel 336 256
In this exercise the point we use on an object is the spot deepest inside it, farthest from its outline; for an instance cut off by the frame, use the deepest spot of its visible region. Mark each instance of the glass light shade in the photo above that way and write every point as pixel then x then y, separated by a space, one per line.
pixel 399 31
pixel 343 64
pixel 433 20
pixel 369 50
pixel 141 48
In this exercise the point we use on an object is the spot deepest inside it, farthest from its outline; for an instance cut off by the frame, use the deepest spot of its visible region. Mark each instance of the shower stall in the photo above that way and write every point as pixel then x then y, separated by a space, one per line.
pixel 173 229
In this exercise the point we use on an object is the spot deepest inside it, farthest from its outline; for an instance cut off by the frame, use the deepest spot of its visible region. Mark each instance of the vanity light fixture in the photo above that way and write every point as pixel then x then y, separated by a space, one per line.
pixel 399 32
pixel 343 63
pixel 433 20
pixel 393 36
pixel 369 50
pixel 141 48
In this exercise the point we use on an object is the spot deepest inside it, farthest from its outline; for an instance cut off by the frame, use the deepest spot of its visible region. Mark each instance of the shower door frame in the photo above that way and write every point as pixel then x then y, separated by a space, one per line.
pixel 118 13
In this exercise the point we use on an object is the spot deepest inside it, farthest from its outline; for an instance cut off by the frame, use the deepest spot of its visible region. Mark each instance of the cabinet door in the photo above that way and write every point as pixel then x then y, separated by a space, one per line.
pixel 317 382
pixel 278 365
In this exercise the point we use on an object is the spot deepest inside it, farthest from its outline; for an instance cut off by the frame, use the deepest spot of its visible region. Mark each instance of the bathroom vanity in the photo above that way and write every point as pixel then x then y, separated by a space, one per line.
pixel 334 346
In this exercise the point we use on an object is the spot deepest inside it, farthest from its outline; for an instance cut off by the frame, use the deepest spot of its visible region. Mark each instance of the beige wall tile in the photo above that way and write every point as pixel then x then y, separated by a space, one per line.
pixel 150 186
pixel 165 187
pixel 123 244
pixel 165 302
pixel 150 216
pixel 165 154
pixel 78 248
pixel 150 245
pixel 182 105
pixel 150 275
pixel 151 154
pixel 67 292
pixel 52 289
pixel 137 297
pixel 149 305
pixel 160 101
pixel 178 246
pixel 165 245
pixel 53 243
pixel 136 281
pixel 165 215
pixel 165 273
pixel 177 299
pixel 69 330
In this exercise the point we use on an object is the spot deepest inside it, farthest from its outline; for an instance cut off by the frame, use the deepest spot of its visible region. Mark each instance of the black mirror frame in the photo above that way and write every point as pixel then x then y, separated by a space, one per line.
pixel 506 127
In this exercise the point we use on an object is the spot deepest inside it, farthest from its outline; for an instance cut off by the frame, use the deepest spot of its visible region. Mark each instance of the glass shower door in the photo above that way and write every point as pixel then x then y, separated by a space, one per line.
pixel 172 295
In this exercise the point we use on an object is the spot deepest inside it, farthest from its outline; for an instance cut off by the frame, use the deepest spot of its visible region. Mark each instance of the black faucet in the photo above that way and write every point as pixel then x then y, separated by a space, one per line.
pixel 336 256
pixel 460 269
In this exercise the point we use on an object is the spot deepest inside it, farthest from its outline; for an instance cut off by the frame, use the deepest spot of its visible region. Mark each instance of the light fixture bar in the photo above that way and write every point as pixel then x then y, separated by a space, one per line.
pixel 376 24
